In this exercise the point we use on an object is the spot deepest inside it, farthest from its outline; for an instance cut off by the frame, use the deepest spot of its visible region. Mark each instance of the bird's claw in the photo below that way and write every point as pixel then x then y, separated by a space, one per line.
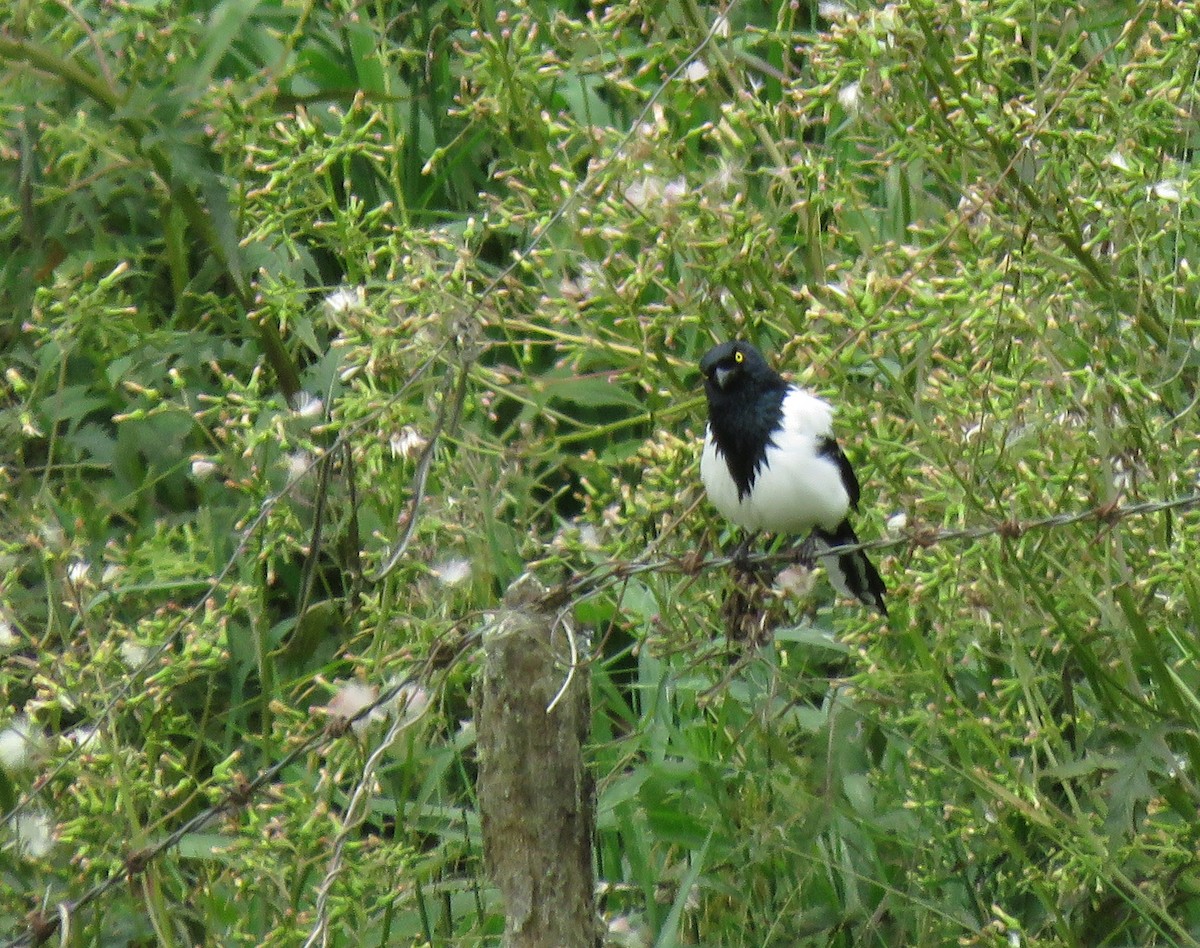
pixel 742 563
pixel 806 553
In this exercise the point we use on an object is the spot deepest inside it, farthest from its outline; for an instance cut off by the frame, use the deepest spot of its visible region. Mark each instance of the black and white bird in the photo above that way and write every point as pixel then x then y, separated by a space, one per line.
pixel 771 463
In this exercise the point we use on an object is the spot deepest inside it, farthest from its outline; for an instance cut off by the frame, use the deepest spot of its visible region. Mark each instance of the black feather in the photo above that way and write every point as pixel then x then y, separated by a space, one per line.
pixel 829 448
pixel 858 573
pixel 745 408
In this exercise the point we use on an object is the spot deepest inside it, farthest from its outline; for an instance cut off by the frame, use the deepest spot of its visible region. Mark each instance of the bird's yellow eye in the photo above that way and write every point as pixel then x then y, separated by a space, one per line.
pixel 738 358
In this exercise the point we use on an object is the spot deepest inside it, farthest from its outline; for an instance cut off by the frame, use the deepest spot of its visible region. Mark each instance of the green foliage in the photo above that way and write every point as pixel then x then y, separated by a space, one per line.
pixel 516 227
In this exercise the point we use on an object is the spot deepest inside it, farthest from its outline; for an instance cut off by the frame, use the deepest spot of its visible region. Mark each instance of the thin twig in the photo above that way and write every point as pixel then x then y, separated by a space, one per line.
pixel 353 817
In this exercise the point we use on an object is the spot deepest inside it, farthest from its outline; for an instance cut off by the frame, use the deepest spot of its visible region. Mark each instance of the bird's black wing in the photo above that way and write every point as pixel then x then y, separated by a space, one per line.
pixel 852 573
pixel 829 448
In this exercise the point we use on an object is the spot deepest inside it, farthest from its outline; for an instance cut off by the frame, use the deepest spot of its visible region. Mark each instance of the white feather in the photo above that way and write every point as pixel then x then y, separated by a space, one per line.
pixel 797 488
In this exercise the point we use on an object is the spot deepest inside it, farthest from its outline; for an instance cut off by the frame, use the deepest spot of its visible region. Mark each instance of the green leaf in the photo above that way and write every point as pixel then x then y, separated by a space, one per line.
pixel 71 403
pixel 225 26
pixel 811 635
pixel 669 935
pixel 1130 788
pixel 207 847
pixel 592 393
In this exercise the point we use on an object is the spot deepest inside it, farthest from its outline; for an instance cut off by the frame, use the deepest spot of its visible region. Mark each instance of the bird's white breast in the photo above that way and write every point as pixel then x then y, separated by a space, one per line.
pixel 797 487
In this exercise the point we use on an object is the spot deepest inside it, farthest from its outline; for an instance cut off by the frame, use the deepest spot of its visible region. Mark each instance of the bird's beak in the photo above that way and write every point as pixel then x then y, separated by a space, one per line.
pixel 720 375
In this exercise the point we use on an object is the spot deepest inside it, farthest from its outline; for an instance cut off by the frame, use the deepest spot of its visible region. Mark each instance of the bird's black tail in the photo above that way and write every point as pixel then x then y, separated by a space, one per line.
pixel 852 574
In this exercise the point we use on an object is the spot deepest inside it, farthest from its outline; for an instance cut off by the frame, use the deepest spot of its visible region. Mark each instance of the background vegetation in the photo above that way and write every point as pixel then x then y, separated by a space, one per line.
pixel 270 267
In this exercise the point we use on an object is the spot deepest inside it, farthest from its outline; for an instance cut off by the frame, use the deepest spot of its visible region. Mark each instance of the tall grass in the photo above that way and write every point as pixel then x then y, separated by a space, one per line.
pixel 973 226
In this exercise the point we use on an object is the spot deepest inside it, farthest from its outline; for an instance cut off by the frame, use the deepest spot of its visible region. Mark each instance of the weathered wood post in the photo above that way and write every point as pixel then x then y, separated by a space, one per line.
pixel 536 797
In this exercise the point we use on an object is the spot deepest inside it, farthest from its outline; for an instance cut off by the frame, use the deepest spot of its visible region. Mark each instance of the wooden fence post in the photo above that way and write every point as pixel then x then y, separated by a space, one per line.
pixel 536 797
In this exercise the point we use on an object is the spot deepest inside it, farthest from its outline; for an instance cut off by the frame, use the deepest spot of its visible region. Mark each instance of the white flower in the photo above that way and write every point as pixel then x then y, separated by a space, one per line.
pixel 897 522
pixel 1122 475
pixel 574 532
pixel 645 191
pixel 1116 160
pixel 591 276
pixel 18 742
pixel 1165 190
pixel 581 287
pixel 652 189
pixel 888 19
pixel 726 176
pixel 839 288
pixel 831 10
pixel 77 572
pixel 33 832
pixel 625 931
pixel 344 299
pixel 721 26
pixel 297 464
pixel 111 572
pixel 307 406
pixel 620 925
pixel 795 581
pixel 407 443
pixel 452 572
pixel 8 636
pixel 675 190
pixel 350 699
pixel 849 97
pixel 54 535
pixel 203 468
pixel 81 735
pixel 133 655
pixel 696 71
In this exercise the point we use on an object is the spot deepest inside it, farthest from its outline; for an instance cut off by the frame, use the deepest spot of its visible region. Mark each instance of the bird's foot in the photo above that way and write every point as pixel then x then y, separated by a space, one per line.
pixel 692 563
pixel 741 559
pixel 806 553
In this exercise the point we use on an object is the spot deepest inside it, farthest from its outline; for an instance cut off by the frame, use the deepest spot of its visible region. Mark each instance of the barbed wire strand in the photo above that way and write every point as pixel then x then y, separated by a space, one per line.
pixel 608 573
pixel 556 598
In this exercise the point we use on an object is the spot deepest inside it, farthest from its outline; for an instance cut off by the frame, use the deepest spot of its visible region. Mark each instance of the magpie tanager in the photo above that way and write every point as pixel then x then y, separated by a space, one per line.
pixel 771 463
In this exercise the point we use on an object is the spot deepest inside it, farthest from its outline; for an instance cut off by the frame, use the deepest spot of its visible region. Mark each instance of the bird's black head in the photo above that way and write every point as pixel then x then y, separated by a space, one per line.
pixel 745 407
pixel 735 367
